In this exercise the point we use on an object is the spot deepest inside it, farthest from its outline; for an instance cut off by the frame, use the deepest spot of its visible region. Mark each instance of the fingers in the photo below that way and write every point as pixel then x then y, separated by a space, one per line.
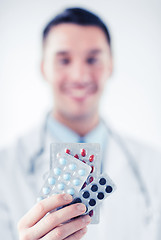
pixel 55 225
pixel 54 219
pixel 42 208
pixel 77 235
pixel 71 230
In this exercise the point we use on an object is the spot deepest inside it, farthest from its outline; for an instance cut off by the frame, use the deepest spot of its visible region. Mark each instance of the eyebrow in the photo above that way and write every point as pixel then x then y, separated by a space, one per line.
pixel 95 51
pixel 65 52
pixel 62 53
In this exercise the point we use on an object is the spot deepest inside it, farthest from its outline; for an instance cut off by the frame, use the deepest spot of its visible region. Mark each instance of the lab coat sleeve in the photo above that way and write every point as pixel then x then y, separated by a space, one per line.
pixel 159 224
pixel 5 223
pixel 5 216
pixel 14 165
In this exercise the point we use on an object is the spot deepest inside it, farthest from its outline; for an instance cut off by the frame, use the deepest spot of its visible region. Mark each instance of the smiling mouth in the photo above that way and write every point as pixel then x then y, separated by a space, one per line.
pixel 81 93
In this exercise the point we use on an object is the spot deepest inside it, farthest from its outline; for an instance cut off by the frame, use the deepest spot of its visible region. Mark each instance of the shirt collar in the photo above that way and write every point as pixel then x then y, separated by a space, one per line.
pixel 62 133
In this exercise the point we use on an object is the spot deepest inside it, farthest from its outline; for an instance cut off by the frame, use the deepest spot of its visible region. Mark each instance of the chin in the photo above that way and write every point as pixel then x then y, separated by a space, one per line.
pixel 78 115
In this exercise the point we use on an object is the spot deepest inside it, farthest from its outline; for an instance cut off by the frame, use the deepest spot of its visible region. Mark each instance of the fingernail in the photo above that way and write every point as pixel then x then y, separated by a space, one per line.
pixel 67 197
pixel 86 219
pixel 81 207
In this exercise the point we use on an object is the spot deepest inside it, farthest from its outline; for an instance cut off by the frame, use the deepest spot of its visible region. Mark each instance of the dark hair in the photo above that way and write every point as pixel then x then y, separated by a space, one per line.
pixel 78 16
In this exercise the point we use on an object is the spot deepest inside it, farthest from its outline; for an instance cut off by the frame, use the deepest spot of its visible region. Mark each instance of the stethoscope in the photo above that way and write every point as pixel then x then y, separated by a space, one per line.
pixel 130 158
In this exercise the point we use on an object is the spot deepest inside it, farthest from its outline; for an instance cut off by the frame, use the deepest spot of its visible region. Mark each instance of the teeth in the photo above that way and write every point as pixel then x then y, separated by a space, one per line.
pixel 78 93
pixel 82 92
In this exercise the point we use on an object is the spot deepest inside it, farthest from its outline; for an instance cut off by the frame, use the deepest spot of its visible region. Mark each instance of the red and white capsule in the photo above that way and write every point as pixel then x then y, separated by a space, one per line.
pixel 92 169
pixel 67 150
pixel 91 179
pixel 76 156
pixel 91 158
pixel 84 185
pixel 83 152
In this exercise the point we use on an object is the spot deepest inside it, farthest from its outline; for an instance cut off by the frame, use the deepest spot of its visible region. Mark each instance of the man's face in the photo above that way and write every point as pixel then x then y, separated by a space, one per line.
pixel 76 62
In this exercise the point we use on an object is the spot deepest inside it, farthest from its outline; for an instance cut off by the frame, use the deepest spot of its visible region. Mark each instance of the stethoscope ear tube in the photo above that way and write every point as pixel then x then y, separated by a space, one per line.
pixel 41 148
pixel 34 158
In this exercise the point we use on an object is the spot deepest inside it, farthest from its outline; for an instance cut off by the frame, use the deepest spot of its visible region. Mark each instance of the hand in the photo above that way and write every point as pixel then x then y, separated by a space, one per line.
pixel 54 226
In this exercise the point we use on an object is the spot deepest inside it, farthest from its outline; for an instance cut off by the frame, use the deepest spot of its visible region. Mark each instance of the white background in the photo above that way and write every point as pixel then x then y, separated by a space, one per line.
pixel 132 99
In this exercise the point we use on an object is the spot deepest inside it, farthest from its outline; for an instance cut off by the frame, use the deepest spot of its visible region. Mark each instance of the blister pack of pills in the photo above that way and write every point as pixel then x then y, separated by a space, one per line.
pixel 67 176
pixel 75 169
pixel 88 153
pixel 93 194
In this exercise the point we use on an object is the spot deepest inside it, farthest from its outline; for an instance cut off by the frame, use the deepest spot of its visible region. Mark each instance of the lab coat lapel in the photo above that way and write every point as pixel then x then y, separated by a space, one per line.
pixel 42 163
pixel 121 207
pixel 115 158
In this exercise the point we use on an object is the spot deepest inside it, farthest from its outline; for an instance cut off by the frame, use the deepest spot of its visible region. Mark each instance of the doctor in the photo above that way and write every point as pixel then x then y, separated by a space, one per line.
pixel 77 63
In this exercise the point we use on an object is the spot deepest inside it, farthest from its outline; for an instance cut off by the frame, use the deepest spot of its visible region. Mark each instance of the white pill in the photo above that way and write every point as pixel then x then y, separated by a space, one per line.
pixel 72 166
pixel 51 180
pixel 81 172
pixel 62 161
pixel 67 176
pixel 39 199
pixel 76 182
pixel 57 171
pixel 71 191
pixel 61 186
pixel 46 190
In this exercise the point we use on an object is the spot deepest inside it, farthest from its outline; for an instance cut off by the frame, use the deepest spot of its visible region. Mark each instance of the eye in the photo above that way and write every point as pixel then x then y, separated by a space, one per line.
pixel 92 60
pixel 64 61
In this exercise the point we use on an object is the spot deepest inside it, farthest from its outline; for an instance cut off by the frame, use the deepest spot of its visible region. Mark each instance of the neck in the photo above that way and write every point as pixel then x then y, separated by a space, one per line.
pixel 81 126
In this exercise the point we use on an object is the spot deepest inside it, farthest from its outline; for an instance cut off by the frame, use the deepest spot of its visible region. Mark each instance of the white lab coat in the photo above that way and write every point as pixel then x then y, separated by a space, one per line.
pixel 124 214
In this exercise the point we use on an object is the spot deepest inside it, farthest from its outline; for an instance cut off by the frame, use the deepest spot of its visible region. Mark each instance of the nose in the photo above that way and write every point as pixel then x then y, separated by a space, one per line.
pixel 79 73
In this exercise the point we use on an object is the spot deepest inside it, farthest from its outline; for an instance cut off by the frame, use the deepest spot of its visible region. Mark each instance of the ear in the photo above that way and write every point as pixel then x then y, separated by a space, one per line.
pixel 42 68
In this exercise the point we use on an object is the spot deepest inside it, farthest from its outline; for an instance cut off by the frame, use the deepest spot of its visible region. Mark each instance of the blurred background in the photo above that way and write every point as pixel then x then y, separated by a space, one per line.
pixel 132 99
